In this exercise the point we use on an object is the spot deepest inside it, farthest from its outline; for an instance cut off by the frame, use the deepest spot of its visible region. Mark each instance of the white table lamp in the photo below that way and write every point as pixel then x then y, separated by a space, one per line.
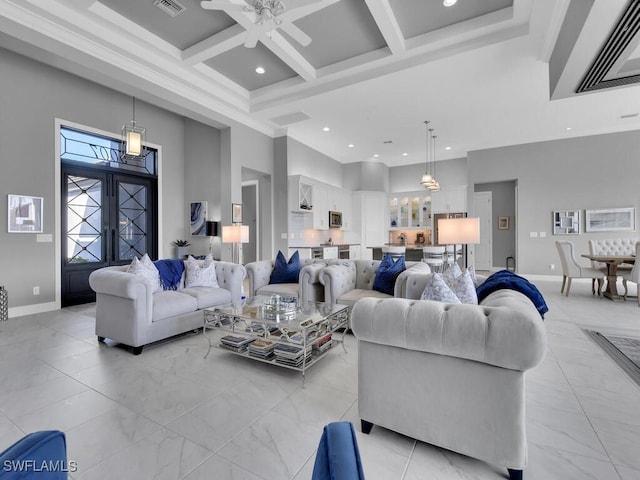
pixel 458 231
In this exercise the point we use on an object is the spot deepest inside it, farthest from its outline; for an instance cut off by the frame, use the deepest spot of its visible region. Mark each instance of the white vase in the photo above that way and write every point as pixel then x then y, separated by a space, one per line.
pixel 181 252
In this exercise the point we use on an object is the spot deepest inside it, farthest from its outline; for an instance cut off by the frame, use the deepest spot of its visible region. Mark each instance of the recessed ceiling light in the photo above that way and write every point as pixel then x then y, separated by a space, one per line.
pixel 351 145
pixel 568 128
pixel 447 148
pixel 375 155
pixel 326 129
pixel 405 154
pixel 260 70
pixel 449 3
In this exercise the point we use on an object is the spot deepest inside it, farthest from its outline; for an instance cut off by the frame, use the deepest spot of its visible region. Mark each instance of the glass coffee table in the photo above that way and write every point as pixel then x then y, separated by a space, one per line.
pixel 285 334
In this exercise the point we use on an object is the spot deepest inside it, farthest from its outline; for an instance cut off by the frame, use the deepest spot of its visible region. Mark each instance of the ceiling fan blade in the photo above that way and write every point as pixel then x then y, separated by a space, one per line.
pixel 302 3
pixel 295 33
pixel 253 36
pixel 229 7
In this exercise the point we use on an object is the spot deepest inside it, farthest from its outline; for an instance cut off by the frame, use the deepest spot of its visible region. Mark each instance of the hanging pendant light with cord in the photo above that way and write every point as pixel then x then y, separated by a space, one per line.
pixel 435 186
pixel 427 178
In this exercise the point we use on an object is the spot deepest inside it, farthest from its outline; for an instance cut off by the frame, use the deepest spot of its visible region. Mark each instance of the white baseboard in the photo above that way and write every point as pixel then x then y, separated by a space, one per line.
pixel 32 309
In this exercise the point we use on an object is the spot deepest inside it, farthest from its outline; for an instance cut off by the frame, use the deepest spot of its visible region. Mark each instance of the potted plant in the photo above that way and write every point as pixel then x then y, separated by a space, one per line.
pixel 181 248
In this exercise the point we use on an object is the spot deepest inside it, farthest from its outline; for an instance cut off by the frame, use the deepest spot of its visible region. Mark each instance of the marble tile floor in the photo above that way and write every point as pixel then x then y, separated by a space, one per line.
pixel 172 414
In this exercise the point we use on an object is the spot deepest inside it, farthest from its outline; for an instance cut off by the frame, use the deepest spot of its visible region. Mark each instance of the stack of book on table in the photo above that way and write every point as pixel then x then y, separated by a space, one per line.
pixel 261 348
pixel 323 344
pixel 292 355
pixel 236 343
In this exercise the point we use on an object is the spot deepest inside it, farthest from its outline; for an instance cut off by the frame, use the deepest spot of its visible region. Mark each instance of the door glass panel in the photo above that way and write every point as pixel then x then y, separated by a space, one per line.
pixel 132 220
pixel 84 219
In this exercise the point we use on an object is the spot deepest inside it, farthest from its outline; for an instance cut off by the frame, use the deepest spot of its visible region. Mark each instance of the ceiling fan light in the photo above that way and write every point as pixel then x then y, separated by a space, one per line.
pixel 449 3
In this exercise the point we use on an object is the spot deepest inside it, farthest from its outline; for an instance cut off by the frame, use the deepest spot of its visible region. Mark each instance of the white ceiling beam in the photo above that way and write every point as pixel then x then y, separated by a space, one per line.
pixel 221 42
pixel 388 25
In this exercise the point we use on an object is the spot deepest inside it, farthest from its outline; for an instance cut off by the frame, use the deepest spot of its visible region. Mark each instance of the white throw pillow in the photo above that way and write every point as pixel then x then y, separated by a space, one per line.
pixel 464 289
pixel 145 268
pixel 451 273
pixel 199 274
pixel 436 289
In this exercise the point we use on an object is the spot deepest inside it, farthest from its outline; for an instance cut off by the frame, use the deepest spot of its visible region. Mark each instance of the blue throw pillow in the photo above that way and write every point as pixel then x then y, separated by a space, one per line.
pixel 284 272
pixel 387 273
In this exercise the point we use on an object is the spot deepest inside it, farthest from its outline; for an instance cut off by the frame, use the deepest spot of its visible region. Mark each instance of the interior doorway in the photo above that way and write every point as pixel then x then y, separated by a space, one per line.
pixel 483 252
pixel 250 217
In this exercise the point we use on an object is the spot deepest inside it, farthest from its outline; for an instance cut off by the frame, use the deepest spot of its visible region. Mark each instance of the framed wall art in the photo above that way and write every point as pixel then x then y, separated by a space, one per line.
pixel 236 213
pixel 503 222
pixel 610 220
pixel 198 222
pixel 566 222
pixel 24 214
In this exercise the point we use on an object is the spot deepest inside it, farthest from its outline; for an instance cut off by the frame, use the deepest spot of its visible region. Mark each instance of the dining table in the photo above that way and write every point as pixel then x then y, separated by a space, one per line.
pixel 612 262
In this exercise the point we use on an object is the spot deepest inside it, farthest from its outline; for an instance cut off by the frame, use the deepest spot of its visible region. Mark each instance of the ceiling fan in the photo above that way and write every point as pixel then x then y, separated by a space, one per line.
pixel 270 14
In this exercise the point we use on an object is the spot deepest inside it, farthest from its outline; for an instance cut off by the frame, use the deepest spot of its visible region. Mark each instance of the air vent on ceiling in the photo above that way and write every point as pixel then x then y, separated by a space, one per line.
pixel 621 36
pixel 290 118
pixel 170 7
pixel 629 115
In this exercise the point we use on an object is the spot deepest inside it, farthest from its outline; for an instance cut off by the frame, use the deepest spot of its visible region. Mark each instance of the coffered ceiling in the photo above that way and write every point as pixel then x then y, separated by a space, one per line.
pixel 487 73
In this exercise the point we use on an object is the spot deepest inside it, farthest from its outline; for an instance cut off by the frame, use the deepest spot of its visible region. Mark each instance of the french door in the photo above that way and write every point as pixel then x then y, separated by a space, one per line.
pixel 107 219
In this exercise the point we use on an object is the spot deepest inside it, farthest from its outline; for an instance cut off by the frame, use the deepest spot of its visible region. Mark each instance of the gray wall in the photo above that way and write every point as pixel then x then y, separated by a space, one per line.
pixel 503 203
pixel 600 171
pixel 367 176
pixel 303 160
pixel 448 172
pixel 202 172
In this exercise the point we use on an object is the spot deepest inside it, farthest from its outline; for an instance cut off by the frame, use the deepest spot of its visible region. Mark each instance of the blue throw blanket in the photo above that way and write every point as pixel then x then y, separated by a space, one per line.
pixel 508 279
pixel 170 273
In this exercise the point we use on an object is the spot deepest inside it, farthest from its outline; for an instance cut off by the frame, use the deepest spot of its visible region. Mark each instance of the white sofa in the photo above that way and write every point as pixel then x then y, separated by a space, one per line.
pixel 129 312
pixel 308 288
pixel 348 281
pixel 449 375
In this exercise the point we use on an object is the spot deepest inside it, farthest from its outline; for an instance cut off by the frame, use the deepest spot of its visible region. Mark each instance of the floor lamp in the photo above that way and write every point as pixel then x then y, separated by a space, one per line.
pixel 212 231
pixel 458 231
pixel 236 235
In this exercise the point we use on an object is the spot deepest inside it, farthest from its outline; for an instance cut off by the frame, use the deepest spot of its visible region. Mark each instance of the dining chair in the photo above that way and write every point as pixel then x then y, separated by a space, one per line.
pixel 571 269
pixel 633 276
pixel 434 256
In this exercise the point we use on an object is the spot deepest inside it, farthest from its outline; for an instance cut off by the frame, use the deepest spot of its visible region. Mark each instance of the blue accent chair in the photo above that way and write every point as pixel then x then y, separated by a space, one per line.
pixel 338 457
pixel 37 456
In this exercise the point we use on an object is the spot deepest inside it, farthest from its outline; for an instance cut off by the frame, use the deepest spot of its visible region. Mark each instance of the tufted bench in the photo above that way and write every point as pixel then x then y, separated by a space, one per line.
pixel 615 246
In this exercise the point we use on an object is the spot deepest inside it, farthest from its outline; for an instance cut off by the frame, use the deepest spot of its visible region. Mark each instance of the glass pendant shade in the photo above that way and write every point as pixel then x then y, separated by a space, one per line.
pixel 427 179
pixel 133 139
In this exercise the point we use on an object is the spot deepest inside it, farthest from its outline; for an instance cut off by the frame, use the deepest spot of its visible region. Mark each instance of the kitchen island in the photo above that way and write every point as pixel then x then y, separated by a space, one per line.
pixel 413 251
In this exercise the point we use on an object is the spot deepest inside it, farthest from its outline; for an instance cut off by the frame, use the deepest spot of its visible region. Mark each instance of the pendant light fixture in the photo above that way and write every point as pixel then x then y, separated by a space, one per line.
pixel 435 185
pixel 427 177
pixel 133 139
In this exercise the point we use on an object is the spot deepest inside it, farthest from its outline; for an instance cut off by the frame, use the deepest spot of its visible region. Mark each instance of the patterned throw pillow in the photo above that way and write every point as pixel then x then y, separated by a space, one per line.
pixel 464 289
pixel 286 272
pixel 387 274
pixel 200 273
pixel 436 289
pixel 145 268
pixel 451 273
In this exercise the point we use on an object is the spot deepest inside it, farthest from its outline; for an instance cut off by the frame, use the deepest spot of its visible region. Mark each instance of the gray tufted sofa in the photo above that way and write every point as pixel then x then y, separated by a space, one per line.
pixel 350 280
pixel 449 375
pixel 128 312
pixel 308 288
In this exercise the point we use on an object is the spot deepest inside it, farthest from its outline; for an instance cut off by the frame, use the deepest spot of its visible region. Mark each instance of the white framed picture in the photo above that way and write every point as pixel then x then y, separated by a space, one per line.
pixel 610 220
pixel 24 214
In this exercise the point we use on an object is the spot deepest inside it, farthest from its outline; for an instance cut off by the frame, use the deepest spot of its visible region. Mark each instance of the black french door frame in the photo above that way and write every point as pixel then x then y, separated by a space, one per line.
pixel 114 219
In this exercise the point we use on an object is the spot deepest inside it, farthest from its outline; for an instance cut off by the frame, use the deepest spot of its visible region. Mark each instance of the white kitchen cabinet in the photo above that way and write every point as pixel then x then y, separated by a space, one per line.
pixel 321 209
pixel 329 252
pixel 354 252
pixel 447 200
pixel 304 253
pixel 410 210
pixel 371 217
pixel 300 195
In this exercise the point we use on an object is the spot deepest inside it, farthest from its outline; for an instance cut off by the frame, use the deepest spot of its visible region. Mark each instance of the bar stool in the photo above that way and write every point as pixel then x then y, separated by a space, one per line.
pixel 395 251
pixel 434 257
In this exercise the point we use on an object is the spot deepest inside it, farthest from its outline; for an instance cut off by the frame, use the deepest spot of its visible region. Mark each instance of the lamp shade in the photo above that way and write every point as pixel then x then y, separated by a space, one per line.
pixel 235 234
pixel 459 230
pixel 212 228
